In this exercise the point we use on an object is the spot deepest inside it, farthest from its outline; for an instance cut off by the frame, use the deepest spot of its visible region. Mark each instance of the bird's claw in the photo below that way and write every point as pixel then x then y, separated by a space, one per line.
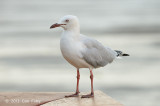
pixel 73 95
pixel 88 96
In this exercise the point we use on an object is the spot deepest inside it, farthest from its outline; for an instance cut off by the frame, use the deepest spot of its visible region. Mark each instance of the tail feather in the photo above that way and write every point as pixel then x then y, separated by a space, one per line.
pixel 120 53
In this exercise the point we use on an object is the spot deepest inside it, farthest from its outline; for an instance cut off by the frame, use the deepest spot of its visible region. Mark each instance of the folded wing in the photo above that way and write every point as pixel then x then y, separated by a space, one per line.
pixel 96 54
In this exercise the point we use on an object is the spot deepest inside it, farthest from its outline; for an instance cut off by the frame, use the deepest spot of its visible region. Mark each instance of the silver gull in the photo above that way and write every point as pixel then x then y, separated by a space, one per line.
pixel 82 51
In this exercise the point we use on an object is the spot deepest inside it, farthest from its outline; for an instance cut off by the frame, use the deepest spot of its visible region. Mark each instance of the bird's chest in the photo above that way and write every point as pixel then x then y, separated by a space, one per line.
pixel 70 49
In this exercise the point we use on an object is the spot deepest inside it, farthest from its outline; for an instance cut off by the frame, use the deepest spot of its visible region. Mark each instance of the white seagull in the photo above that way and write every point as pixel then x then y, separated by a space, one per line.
pixel 82 51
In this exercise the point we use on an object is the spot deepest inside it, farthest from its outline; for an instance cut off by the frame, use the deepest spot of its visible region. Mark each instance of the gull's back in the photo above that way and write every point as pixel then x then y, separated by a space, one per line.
pixel 95 53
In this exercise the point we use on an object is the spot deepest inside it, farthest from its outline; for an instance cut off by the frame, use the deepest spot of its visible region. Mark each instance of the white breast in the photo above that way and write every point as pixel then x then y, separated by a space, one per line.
pixel 70 49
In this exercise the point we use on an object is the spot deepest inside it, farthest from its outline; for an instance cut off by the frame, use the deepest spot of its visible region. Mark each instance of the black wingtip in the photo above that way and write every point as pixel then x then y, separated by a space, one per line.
pixel 125 55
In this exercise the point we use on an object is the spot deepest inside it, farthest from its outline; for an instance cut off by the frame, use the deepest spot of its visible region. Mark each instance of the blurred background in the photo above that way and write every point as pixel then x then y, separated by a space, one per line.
pixel 30 57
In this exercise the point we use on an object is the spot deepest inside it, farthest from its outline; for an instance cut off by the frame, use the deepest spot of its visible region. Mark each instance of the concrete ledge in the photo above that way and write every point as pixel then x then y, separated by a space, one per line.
pixel 54 99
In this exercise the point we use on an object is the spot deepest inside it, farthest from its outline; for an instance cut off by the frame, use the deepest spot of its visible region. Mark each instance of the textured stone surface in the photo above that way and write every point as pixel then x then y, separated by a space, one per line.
pixel 28 98
pixel 54 99
pixel 100 99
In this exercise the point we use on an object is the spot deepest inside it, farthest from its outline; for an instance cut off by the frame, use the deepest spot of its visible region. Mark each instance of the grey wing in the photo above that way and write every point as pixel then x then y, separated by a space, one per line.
pixel 96 54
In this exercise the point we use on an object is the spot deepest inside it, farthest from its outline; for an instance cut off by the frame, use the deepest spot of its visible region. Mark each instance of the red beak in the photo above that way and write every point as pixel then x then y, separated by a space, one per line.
pixel 56 25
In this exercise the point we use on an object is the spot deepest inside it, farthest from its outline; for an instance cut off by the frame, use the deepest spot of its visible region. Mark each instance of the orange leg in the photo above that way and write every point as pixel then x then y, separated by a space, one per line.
pixel 77 87
pixel 92 91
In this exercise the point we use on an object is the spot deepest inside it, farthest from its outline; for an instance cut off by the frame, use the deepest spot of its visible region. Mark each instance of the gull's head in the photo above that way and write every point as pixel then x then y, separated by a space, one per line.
pixel 68 22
